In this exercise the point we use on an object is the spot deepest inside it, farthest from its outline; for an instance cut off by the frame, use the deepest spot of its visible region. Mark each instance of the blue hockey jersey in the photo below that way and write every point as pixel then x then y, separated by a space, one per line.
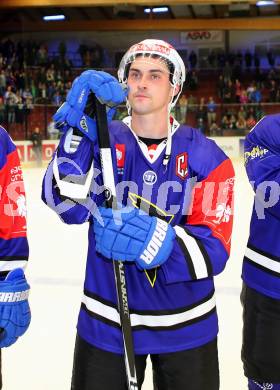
pixel 261 265
pixel 173 307
pixel 13 242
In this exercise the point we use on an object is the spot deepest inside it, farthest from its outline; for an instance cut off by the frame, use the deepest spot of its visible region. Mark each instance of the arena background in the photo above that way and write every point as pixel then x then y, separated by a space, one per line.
pixel 218 40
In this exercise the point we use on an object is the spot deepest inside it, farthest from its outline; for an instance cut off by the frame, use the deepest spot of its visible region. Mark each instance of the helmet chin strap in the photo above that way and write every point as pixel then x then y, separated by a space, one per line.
pixel 169 126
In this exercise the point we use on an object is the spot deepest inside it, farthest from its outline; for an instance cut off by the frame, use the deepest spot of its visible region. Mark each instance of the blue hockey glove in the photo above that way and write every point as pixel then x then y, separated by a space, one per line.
pixel 131 235
pixel 15 313
pixel 75 111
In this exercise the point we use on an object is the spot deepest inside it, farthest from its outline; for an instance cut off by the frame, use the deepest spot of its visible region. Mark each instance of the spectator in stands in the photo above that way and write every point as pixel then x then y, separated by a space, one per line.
pixel 215 130
pixel 183 108
pixel 221 86
pixel 272 91
pixel 57 99
pixel 42 55
pixel 251 121
pixel 42 93
pixel 242 112
pixel 51 88
pixel 20 111
pixel 221 59
pixel 36 139
pixel 2 110
pixel 34 90
pixel 192 102
pixel 232 122
pixel 241 124
pixel 62 50
pixel 53 132
pixel 270 58
pixel 201 116
pixel 243 99
pixel 27 95
pixel 238 88
pixel 227 71
pixel 256 95
pixel 212 59
pixel 225 122
pixel 50 75
pixel 248 59
pixel 10 100
pixel 193 60
pixel 211 111
pixel 229 92
pixel 3 83
pixel 192 80
pixel 250 90
pixel 256 60
pixel 20 81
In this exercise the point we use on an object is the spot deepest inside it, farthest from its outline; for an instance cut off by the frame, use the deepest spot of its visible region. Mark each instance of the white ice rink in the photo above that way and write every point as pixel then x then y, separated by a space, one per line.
pixel 42 359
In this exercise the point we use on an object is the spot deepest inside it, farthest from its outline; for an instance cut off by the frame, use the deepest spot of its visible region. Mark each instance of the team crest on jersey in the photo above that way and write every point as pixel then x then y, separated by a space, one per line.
pixel 149 177
pixel 120 153
pixel 257 152
pixel 182 165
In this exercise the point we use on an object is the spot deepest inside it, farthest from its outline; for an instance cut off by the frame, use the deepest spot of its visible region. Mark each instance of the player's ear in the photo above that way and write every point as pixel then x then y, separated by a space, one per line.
pixel 177 89
pixel 174 91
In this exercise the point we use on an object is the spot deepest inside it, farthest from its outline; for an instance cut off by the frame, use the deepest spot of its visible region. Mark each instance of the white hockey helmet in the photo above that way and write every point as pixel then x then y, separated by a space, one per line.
pixel 155 47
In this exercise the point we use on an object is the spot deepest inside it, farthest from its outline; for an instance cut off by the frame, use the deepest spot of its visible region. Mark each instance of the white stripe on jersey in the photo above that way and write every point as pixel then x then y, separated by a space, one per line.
pixel 12 264
pixel 151 321
pixel 262 260
pixel 194 251
pixel 69 189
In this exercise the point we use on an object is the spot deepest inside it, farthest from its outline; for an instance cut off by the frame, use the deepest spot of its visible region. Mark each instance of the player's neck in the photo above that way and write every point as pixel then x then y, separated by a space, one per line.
pixel 150 126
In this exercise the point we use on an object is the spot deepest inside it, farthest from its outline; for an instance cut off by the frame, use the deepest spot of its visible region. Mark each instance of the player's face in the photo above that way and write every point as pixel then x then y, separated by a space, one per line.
pixel 149 86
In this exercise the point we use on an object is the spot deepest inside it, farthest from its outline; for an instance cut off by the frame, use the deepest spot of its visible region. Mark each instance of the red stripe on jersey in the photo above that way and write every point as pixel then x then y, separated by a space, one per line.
pixel 12 199
pixel 212 203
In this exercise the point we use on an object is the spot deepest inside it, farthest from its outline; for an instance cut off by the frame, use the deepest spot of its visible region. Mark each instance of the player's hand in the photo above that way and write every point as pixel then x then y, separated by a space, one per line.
pixel 15 313
pixel 131 235
pixel 75 112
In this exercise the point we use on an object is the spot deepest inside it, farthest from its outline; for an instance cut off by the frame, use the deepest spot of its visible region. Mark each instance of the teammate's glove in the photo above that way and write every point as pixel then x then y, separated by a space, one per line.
pixel 75 112
pixel 15 313
pixel 131 235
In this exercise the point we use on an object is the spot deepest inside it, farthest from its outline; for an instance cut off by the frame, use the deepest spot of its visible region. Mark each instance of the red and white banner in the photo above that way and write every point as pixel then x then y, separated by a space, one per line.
pixel 26 153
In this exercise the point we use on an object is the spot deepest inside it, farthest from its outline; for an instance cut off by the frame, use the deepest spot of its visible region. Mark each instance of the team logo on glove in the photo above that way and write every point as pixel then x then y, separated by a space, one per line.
pixel 155 243
pixel 83 123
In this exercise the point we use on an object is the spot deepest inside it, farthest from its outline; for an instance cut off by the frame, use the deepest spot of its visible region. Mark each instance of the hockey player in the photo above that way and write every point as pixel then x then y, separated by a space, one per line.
pixel 170 263
pixel 261 266
pixel 14 308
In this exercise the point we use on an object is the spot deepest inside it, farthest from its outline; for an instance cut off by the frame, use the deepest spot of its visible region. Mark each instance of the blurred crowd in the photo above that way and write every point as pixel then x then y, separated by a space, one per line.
pixel 228 95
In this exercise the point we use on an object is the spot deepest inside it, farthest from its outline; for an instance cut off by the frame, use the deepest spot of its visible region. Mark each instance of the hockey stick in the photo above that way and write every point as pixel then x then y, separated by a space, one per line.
pixel 119 271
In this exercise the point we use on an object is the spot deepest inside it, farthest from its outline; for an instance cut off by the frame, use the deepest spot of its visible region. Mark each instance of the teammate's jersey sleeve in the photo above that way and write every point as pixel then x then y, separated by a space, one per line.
pixel 262 163
pixel 13 239
pixel 72 185
pixel 203 240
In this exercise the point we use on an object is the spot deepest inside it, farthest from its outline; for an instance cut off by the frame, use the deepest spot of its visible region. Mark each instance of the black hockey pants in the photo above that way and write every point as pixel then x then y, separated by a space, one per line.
pixel 194 369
